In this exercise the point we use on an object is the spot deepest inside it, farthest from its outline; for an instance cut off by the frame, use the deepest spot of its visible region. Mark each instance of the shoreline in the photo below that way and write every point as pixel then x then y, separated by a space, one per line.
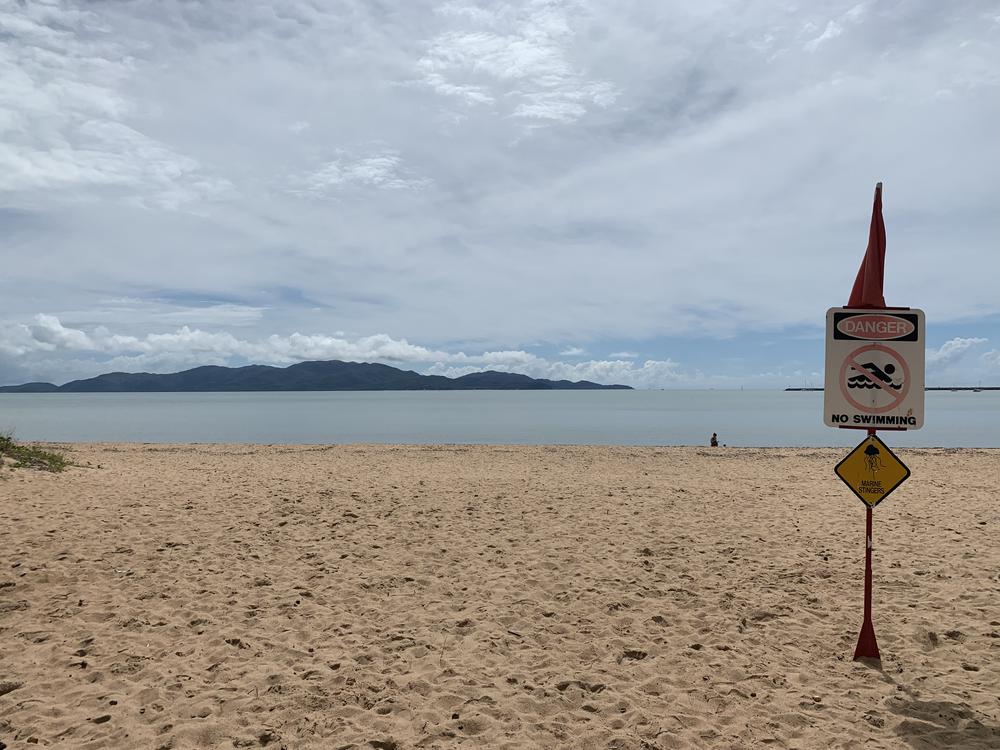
pixel 834 450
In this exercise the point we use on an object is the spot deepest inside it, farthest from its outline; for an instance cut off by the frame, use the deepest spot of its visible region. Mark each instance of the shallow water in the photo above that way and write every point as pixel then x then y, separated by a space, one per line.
pixel 670 417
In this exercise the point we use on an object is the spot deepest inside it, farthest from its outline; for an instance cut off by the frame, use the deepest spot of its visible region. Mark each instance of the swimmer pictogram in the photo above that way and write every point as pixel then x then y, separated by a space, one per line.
pixel 874 378
pixel 883 378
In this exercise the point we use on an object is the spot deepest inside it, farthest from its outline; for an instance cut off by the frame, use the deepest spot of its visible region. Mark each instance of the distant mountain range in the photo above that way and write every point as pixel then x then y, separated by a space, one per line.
pixel 333 375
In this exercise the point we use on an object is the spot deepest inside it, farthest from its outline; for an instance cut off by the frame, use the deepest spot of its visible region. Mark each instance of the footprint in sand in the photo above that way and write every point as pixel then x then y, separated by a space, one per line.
pixel 633 654
pixel 9 687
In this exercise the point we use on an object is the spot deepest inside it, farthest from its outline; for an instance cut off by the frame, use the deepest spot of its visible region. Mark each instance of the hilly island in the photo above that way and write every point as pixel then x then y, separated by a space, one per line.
pixel 332 375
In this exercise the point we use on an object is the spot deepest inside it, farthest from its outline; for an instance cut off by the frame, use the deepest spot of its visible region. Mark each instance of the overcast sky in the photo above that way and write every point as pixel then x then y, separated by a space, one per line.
pixel 662 194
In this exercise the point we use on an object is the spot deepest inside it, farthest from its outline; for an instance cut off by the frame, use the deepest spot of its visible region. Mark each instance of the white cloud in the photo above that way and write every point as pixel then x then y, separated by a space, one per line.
pixel 50 334
pixel 650 374
pixel 62 113
pixel 832 31
pixel 145 313
pixel 623 355
pixel 951 351
pixel 956 362
pixel 517 52
pixel 382 170
pixel 857 13
pixel 17 340
pixel 573 351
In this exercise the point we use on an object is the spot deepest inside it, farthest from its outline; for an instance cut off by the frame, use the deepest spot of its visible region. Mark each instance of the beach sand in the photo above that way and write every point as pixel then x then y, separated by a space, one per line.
pixel 220 596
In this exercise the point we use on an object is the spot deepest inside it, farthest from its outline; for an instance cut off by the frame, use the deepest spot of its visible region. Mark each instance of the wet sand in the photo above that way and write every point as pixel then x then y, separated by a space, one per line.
pixel 514 597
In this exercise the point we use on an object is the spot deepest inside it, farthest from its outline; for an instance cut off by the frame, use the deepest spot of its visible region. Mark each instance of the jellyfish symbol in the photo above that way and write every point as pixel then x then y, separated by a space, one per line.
pixel 872 459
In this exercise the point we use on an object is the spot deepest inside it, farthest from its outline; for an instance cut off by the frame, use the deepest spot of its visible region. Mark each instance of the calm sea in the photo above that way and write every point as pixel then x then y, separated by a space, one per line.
pixel 673 417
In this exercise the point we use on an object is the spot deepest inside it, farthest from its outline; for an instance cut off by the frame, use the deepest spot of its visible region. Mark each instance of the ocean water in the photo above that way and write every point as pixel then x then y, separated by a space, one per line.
pixel 669 417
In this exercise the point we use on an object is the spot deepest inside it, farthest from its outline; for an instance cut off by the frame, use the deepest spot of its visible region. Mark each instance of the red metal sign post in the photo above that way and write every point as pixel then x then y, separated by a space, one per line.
pixel 867 647
pixel 867 292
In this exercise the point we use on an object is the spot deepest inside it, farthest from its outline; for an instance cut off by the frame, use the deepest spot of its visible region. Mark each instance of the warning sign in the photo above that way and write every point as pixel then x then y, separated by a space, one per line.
pixel 872 471
pixel 874 369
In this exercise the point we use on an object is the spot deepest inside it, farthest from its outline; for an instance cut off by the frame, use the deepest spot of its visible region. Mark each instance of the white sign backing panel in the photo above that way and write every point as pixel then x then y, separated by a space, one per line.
pixel 874 368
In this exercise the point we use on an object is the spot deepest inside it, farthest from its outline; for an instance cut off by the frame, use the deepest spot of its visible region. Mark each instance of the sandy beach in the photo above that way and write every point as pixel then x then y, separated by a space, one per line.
pixel 220 596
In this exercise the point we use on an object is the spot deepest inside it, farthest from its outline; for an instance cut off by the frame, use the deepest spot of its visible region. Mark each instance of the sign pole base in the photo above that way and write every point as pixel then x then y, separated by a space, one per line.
pixel 867 647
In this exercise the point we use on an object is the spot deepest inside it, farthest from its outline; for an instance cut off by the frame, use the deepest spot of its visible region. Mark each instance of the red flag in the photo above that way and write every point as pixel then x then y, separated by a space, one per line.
pixel 867 291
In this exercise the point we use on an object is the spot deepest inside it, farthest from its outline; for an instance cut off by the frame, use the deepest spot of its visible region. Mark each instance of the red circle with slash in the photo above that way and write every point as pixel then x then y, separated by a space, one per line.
pixel 851 362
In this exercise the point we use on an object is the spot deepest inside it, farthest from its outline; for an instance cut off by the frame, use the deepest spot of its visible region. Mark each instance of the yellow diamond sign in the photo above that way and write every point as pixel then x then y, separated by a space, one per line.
pixel 872 471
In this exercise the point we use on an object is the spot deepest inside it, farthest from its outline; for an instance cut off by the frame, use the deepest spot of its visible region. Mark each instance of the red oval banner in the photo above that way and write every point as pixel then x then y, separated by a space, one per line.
pixel 875 327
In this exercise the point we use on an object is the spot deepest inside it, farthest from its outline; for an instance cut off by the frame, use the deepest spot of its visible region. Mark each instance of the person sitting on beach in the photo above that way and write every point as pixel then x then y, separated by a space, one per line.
pixel 714 442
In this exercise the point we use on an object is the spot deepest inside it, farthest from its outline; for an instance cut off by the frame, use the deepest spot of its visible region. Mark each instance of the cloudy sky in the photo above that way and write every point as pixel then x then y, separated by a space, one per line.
pixel 663 194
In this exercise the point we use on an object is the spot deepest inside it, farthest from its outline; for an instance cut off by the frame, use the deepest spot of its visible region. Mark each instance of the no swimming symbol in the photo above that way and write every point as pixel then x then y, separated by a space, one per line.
pixel 874 379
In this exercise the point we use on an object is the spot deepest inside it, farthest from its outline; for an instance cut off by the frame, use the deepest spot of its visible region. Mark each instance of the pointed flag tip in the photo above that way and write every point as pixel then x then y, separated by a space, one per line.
pixel 867 290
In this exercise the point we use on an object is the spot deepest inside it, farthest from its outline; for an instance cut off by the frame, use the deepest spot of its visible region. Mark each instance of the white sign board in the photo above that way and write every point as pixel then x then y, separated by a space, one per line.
pixel 874 368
